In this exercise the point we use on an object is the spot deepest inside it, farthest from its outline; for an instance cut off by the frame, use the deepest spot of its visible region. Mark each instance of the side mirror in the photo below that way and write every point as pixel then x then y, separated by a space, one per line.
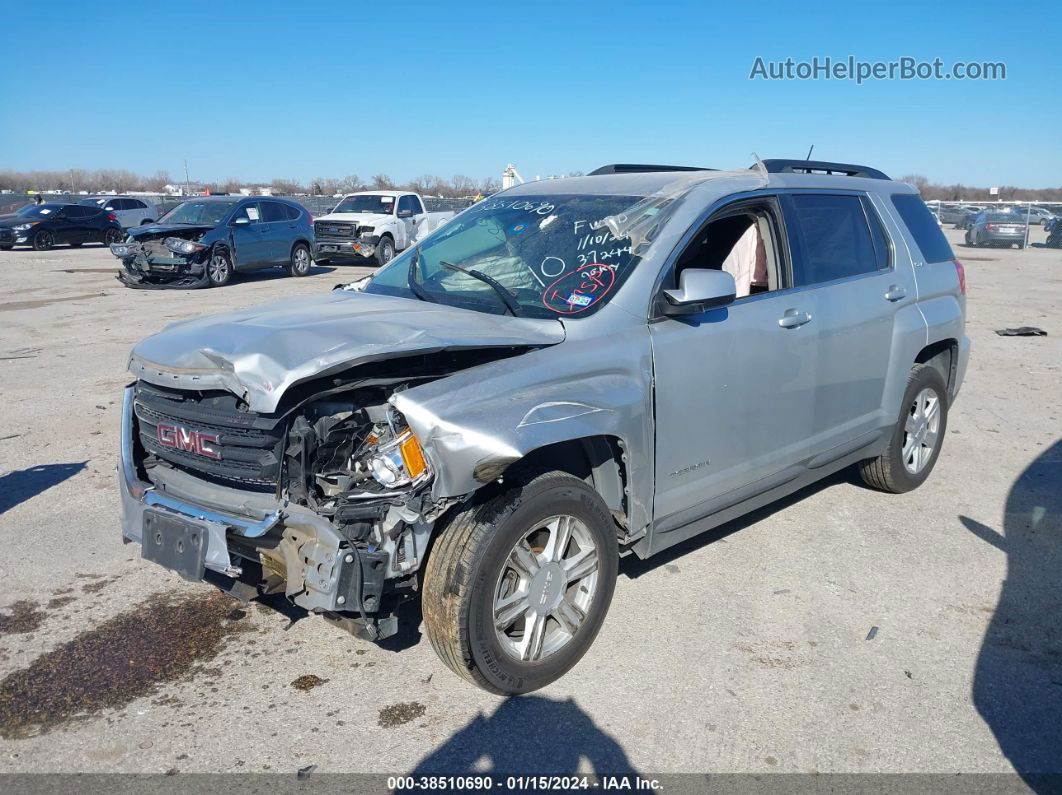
pixel 241 221
pixel 699 290
pixel 405 214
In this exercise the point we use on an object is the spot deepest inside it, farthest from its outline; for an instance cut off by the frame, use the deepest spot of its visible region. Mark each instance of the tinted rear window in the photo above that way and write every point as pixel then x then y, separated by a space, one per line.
pixel 923 227
pixel 833 238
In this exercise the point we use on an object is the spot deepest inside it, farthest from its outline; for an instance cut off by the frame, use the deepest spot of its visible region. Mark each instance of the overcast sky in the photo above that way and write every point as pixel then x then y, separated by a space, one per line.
pixel 280 89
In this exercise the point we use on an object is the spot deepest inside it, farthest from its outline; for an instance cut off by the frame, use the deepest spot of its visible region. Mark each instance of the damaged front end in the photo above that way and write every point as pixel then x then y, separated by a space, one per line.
pixel 327 500
pixel 166 258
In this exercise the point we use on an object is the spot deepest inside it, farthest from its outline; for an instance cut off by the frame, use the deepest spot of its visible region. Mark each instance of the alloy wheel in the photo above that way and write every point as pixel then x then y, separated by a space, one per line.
pixel 301 260
pixel 921 431
pixel 219 268
pixel 545 588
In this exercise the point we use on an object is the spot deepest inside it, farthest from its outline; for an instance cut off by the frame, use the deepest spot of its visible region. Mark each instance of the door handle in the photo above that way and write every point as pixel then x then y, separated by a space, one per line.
pixel 793 318
pixel 895 293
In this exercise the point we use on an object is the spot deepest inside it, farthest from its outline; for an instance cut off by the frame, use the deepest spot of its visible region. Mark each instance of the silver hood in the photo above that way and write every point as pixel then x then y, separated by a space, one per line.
pixel 259 353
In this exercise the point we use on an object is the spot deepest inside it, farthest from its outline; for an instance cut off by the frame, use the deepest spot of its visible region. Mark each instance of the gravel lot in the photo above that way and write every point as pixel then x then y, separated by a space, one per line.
pixel 748 651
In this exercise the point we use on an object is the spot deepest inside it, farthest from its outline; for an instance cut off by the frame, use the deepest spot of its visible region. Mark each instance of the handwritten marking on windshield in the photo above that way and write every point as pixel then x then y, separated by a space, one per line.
pixel 580 289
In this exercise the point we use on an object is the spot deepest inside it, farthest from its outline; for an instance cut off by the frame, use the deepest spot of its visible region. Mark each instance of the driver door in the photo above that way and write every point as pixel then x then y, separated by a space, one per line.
pixel 734 386
pixel 250 239
pixel 407 218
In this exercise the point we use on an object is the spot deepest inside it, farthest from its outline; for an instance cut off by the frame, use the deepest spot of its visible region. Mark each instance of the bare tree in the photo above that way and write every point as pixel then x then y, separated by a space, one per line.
pixel 287 187
pixel 382 182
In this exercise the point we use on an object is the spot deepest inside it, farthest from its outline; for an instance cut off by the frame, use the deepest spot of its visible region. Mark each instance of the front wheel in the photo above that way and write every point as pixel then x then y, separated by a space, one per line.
pixel 299 265
pixel 385 251
pixel 219 269
pixel 43 240
pixel 517 587
pixel 917 438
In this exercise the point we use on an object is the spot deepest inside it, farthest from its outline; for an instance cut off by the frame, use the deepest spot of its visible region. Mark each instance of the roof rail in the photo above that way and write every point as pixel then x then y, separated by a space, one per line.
pixel 821 167
pixel 639 168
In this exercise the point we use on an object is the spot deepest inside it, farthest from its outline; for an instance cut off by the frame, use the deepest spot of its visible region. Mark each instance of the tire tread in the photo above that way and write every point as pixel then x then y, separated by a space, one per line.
pixel 449 571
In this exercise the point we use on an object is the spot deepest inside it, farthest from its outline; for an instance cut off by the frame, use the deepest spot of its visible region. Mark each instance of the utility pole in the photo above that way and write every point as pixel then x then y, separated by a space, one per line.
pixel 186 186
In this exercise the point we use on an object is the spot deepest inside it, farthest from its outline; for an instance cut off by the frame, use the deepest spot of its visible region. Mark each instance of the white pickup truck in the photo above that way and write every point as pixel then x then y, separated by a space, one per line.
pixel 374 224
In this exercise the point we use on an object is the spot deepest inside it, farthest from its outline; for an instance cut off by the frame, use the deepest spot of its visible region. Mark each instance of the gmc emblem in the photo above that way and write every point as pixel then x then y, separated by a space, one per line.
pixel 181 438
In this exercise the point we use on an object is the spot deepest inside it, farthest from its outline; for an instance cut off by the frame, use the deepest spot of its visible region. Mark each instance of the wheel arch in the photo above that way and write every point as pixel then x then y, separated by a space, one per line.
pixel 304 242
pixel 942 355
pixel 599 460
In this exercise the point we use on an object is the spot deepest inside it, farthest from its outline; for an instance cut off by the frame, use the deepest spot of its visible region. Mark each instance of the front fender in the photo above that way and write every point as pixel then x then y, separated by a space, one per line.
pixel 477 422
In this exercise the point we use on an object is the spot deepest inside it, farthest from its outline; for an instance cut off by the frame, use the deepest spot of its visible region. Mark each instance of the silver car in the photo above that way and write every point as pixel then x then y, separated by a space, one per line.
pixel 130 210
pixel 569 371
pixel 997 229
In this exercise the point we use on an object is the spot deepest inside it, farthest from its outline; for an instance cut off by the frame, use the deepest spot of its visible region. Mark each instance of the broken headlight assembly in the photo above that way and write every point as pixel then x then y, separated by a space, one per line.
pixel 365 454
pixel 186 247
pixel 123 249
pixel 399 462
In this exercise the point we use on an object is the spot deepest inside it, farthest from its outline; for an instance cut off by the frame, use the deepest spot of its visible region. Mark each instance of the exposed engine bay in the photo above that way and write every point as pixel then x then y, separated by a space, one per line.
pixel 351 476
pixel 169 258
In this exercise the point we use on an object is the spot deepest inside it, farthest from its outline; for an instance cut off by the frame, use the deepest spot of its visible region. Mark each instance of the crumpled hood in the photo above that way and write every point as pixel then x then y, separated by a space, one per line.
pixel 259 353
pixel 155 229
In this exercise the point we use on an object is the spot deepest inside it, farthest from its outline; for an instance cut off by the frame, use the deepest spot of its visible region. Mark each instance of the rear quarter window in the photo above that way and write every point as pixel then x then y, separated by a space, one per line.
pixel 923 227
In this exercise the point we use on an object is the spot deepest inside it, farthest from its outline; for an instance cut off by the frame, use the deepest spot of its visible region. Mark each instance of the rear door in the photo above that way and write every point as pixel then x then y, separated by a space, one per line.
pixel 842 255
pixel 136 211
pixel 279 230
pixel 122 209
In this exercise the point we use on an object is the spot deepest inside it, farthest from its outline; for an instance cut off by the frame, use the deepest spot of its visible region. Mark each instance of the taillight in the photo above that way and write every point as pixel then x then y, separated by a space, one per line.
pixel 990 227
pixel 960 271
pixel 112 217
pixel 311 220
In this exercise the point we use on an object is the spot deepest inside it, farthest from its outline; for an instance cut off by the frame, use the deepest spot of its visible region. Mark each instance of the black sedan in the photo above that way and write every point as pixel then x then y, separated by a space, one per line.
pixel 42 226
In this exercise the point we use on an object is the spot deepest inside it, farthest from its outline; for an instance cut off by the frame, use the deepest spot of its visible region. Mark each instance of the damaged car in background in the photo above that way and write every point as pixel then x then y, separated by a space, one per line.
pixel 203 242
pixel 567 372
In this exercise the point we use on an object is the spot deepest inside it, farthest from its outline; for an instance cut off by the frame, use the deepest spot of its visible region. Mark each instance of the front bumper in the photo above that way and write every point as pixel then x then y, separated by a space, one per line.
pixel 144 272
pixel 321 572
pixel 364 246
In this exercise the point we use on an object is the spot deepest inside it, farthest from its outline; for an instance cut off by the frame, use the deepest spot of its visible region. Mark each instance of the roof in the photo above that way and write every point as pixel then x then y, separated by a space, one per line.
pixel 627 181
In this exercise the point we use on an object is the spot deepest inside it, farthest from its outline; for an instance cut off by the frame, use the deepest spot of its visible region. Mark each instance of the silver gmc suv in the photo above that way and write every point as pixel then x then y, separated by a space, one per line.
pixel 569 371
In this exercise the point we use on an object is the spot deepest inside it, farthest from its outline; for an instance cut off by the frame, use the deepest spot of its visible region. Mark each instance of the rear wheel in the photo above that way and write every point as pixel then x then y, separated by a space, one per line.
pixel 112 236
pixel 917 438
pixel 300 260
pixel 43 240
pixel 517 587
pixel 219 269
pixel 385 251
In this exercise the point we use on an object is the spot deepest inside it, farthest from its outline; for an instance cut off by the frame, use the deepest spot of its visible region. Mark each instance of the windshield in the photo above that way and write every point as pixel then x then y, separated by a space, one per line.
pixel 205 213
pixel 551 254
pixel 373 204
pixel 38 210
